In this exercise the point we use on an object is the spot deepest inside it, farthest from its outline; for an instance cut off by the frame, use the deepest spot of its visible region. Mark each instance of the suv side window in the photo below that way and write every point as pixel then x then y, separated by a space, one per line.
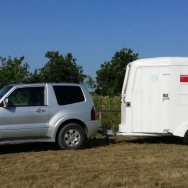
pixel 68 94
pixel 28 96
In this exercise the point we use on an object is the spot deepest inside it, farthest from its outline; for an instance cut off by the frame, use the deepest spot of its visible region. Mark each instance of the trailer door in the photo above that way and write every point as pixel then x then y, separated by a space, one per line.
pixel 125 112
pixel 150 112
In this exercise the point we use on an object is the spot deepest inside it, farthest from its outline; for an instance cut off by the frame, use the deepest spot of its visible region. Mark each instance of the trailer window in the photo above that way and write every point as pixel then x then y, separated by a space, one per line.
pixel 126 78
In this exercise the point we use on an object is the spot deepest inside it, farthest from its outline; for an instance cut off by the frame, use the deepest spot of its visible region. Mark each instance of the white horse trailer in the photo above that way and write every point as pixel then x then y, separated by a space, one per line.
pixel 155 98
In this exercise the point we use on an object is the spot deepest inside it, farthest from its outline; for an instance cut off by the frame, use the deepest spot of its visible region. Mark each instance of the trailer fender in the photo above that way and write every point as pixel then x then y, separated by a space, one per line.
pixel 181 130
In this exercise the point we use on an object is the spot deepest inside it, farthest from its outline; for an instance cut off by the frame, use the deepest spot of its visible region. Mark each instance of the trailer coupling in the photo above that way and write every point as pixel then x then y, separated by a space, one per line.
pixel 107 133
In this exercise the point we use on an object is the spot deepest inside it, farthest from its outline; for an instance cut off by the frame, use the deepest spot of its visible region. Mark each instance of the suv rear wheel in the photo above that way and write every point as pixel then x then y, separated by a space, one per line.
pixel 71 136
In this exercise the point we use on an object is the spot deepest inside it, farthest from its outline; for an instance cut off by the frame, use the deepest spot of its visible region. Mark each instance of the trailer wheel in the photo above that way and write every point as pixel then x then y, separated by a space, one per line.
pixel 185 139
pixel 71 136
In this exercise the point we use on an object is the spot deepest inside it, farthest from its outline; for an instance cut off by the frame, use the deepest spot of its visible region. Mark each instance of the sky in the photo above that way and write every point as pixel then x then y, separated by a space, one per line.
pixel 92 30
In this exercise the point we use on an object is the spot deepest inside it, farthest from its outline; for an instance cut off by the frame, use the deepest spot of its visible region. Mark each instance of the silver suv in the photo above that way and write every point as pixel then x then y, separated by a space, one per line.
pixel 62 113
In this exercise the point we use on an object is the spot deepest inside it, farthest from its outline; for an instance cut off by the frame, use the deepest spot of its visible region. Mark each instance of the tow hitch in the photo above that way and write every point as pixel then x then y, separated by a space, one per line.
pixel 107 133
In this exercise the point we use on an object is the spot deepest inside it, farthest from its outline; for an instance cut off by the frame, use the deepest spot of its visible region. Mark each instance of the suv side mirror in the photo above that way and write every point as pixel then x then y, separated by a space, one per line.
pixel 5 102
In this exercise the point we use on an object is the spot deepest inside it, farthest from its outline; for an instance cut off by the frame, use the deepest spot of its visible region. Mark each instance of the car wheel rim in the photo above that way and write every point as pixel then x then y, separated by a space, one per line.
pixel 72 137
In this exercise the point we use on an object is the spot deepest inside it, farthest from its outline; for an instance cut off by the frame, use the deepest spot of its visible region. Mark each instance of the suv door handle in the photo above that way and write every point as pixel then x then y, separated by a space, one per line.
pixel 40 110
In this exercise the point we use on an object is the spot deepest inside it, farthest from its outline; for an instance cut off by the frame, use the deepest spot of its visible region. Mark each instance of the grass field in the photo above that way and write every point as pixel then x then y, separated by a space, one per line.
pixel 127 162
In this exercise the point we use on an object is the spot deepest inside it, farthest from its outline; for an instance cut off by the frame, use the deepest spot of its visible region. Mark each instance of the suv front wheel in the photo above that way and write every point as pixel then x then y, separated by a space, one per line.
pixel 185 139
pixel 71 136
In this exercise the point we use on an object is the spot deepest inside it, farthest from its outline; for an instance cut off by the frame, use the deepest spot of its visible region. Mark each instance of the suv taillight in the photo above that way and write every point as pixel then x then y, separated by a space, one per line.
pixel 93 113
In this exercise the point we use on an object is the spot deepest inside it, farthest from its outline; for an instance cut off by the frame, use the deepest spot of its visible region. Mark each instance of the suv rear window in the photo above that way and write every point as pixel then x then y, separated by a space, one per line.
pixel 68 94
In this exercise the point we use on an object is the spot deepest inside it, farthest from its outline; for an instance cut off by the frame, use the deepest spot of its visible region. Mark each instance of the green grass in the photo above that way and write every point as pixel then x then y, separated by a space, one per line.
pixel 108 110
pixel 127 162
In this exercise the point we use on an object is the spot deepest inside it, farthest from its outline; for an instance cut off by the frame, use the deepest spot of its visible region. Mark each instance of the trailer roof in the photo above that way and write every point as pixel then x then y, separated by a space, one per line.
pixel 176 61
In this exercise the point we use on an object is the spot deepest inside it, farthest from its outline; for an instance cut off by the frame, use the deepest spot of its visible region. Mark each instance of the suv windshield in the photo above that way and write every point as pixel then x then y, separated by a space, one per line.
pixel 4 90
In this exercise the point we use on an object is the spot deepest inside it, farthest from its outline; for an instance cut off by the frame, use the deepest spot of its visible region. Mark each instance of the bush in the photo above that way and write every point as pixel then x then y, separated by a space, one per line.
pixel 108 111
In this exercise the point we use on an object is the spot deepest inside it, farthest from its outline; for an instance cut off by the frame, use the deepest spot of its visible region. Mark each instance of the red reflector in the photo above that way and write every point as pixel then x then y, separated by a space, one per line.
pixel 93 113
pixel 184 78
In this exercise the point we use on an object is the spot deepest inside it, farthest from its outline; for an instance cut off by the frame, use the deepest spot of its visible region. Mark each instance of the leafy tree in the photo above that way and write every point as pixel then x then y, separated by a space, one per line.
pixel 110 76
pixel 61 68
pixel 35 77
pixel 13 71
pixel 91 83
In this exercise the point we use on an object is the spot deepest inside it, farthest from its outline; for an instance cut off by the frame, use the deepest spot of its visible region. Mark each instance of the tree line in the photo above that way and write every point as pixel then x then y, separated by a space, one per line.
pixel 64 68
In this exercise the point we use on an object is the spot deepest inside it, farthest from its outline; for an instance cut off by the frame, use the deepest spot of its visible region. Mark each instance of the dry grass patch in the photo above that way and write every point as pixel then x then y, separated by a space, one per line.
pixel 133 162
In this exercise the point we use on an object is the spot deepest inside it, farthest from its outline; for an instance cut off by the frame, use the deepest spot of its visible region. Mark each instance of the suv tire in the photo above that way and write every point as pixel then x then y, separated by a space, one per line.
pixel 185 139
pixel 71 136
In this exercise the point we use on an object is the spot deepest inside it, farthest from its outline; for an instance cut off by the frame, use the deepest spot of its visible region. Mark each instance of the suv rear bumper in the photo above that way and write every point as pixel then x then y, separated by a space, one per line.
pixel 92 128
